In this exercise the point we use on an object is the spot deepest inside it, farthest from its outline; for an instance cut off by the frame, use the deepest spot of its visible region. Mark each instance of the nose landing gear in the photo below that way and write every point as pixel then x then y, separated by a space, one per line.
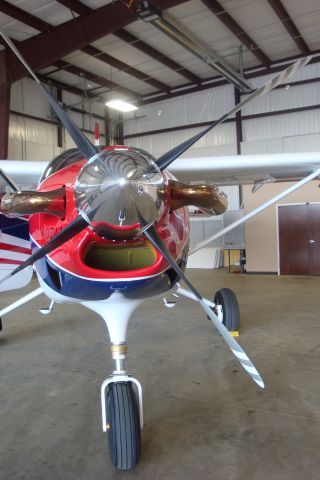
pixel 122 418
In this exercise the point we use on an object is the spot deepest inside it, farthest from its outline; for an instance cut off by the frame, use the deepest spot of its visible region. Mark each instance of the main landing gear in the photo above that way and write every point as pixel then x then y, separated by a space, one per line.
pixel 225 306
pixel 227 309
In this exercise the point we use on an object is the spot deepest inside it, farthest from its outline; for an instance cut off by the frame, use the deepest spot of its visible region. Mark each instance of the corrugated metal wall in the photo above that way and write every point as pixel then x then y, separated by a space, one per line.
pixel 33 139
pixel 297 131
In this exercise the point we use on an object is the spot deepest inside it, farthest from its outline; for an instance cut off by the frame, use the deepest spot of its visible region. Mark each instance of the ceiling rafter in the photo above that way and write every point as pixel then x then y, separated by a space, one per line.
pixel 66 87
pixel 127 37
pixel 23 16
pixel 123 67
pixel 76 6
pixel 178 33
pixel 92 77
pixel 237 30
pixel 290 26
pixel 42 26
pixel 152 52
pixel 38 24
pixel 44 49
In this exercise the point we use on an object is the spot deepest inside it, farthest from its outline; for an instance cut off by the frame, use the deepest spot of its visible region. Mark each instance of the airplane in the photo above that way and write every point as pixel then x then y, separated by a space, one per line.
pixel 109 228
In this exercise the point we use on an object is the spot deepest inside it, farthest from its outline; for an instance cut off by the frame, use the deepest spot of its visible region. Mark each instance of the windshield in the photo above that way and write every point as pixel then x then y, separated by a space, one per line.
pixel 64 160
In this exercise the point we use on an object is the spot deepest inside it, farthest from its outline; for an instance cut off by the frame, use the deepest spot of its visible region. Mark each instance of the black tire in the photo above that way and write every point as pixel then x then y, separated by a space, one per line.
pixel 123 425
pixel 230 308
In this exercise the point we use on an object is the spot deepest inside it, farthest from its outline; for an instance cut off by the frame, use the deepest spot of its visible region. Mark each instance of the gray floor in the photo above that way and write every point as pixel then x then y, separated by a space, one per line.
pixel 204 417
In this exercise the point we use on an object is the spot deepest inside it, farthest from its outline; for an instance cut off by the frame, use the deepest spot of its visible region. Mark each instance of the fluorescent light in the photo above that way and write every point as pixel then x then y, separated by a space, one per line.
pixel 121 105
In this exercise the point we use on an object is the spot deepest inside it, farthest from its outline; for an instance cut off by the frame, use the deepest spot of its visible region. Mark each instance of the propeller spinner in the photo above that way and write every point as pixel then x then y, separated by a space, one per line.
pixel 112 184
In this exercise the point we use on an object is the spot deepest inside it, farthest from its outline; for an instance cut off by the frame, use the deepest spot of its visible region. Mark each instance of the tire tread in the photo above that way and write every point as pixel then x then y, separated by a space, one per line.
pixel 230 307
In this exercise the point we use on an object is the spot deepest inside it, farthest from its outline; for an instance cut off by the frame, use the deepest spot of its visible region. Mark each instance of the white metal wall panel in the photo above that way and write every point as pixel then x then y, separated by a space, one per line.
pixel 211 150
pixel 302 143
pixel 295 143
pixel 267 145
pixel 157 144
pixel 184 110
pixel 31 139
pixel 30 130
pixel 282 125
pixel 69 143
pixel 232 193
pixel 309 71
pixel 26 97
pixel 283 99
pixel 37 140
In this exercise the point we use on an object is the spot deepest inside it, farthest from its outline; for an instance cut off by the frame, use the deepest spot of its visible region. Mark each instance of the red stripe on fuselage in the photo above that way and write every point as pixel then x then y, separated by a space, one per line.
pixel 9 261
pixel 15 248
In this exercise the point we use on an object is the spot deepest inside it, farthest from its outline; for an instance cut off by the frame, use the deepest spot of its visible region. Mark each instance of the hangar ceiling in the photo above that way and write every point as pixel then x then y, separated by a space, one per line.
pixel 150 51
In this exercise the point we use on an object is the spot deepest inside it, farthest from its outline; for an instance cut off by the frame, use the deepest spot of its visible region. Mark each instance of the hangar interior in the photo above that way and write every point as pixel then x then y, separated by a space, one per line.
pixel 184 64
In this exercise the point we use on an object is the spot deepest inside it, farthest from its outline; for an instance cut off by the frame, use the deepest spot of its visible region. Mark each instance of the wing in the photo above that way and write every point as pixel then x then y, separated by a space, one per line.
pixel 24 173
pixel 246 169
pixel 223 170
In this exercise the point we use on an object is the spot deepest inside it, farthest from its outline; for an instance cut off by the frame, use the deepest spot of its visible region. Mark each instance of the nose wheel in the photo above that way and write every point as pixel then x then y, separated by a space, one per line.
pixel 122 419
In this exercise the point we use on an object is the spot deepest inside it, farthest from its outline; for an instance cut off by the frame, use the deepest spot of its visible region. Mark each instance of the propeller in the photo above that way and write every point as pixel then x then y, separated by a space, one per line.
pixel 9 181
pixel 135 190
pixel 167 158
pixel 239 353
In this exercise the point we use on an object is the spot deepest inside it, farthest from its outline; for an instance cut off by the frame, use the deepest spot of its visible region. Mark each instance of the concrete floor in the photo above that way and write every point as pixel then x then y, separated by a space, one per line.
pixel 204 417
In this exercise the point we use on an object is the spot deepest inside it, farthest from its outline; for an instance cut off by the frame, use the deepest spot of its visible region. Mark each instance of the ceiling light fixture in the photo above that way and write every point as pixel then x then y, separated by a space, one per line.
pixel 121 105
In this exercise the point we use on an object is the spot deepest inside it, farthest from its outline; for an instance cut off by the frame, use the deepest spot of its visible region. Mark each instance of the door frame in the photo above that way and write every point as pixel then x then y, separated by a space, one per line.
pixel 277 221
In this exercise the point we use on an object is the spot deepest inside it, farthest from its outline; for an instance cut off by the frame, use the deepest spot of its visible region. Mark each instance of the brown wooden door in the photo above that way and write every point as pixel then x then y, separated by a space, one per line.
pixel 299 239
pixel 314 238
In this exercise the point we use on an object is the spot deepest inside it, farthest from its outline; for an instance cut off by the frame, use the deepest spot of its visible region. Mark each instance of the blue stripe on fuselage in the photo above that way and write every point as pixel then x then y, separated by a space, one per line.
pixel 73 286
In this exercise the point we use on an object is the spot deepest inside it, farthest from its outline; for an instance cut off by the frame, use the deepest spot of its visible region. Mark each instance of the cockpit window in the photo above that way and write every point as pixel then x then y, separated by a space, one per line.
pixel 64 160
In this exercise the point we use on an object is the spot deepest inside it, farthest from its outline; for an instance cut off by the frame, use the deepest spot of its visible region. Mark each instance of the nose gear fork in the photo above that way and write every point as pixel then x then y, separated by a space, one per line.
pixel 114 378
pixel 116 311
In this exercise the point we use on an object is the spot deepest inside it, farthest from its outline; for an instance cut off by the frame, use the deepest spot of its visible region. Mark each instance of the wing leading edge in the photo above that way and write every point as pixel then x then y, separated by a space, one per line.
pixel 223 170
pixel 246 169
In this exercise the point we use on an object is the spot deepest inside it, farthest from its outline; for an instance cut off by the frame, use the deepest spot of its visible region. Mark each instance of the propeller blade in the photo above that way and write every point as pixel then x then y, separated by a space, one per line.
pixel 63 236
pixel 83 143
pixel 239 353
pixel 9 181
pixel 167 158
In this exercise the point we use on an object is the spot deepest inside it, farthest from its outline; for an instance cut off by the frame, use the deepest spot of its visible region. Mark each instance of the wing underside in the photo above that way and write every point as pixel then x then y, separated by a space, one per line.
pixel 246 169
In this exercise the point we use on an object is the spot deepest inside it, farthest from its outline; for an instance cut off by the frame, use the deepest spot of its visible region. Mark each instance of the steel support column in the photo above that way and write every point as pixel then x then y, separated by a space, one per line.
pixel 60 126
pixel 4 109
pixel 237 99
pixel 120 140
pixel 239 137
pixel 107 125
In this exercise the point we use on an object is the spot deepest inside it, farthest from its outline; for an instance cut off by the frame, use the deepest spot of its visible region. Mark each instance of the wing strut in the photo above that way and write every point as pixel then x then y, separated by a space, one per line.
pixel 268 203
pixel 238 352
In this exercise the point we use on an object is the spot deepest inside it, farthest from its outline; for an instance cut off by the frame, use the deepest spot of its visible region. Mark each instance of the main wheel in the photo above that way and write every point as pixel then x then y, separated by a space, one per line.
pixel 123 425
pixel 227 299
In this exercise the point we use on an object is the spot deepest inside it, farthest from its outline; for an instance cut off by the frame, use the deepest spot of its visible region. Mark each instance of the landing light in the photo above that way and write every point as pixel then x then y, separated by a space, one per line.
pixel 121 105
